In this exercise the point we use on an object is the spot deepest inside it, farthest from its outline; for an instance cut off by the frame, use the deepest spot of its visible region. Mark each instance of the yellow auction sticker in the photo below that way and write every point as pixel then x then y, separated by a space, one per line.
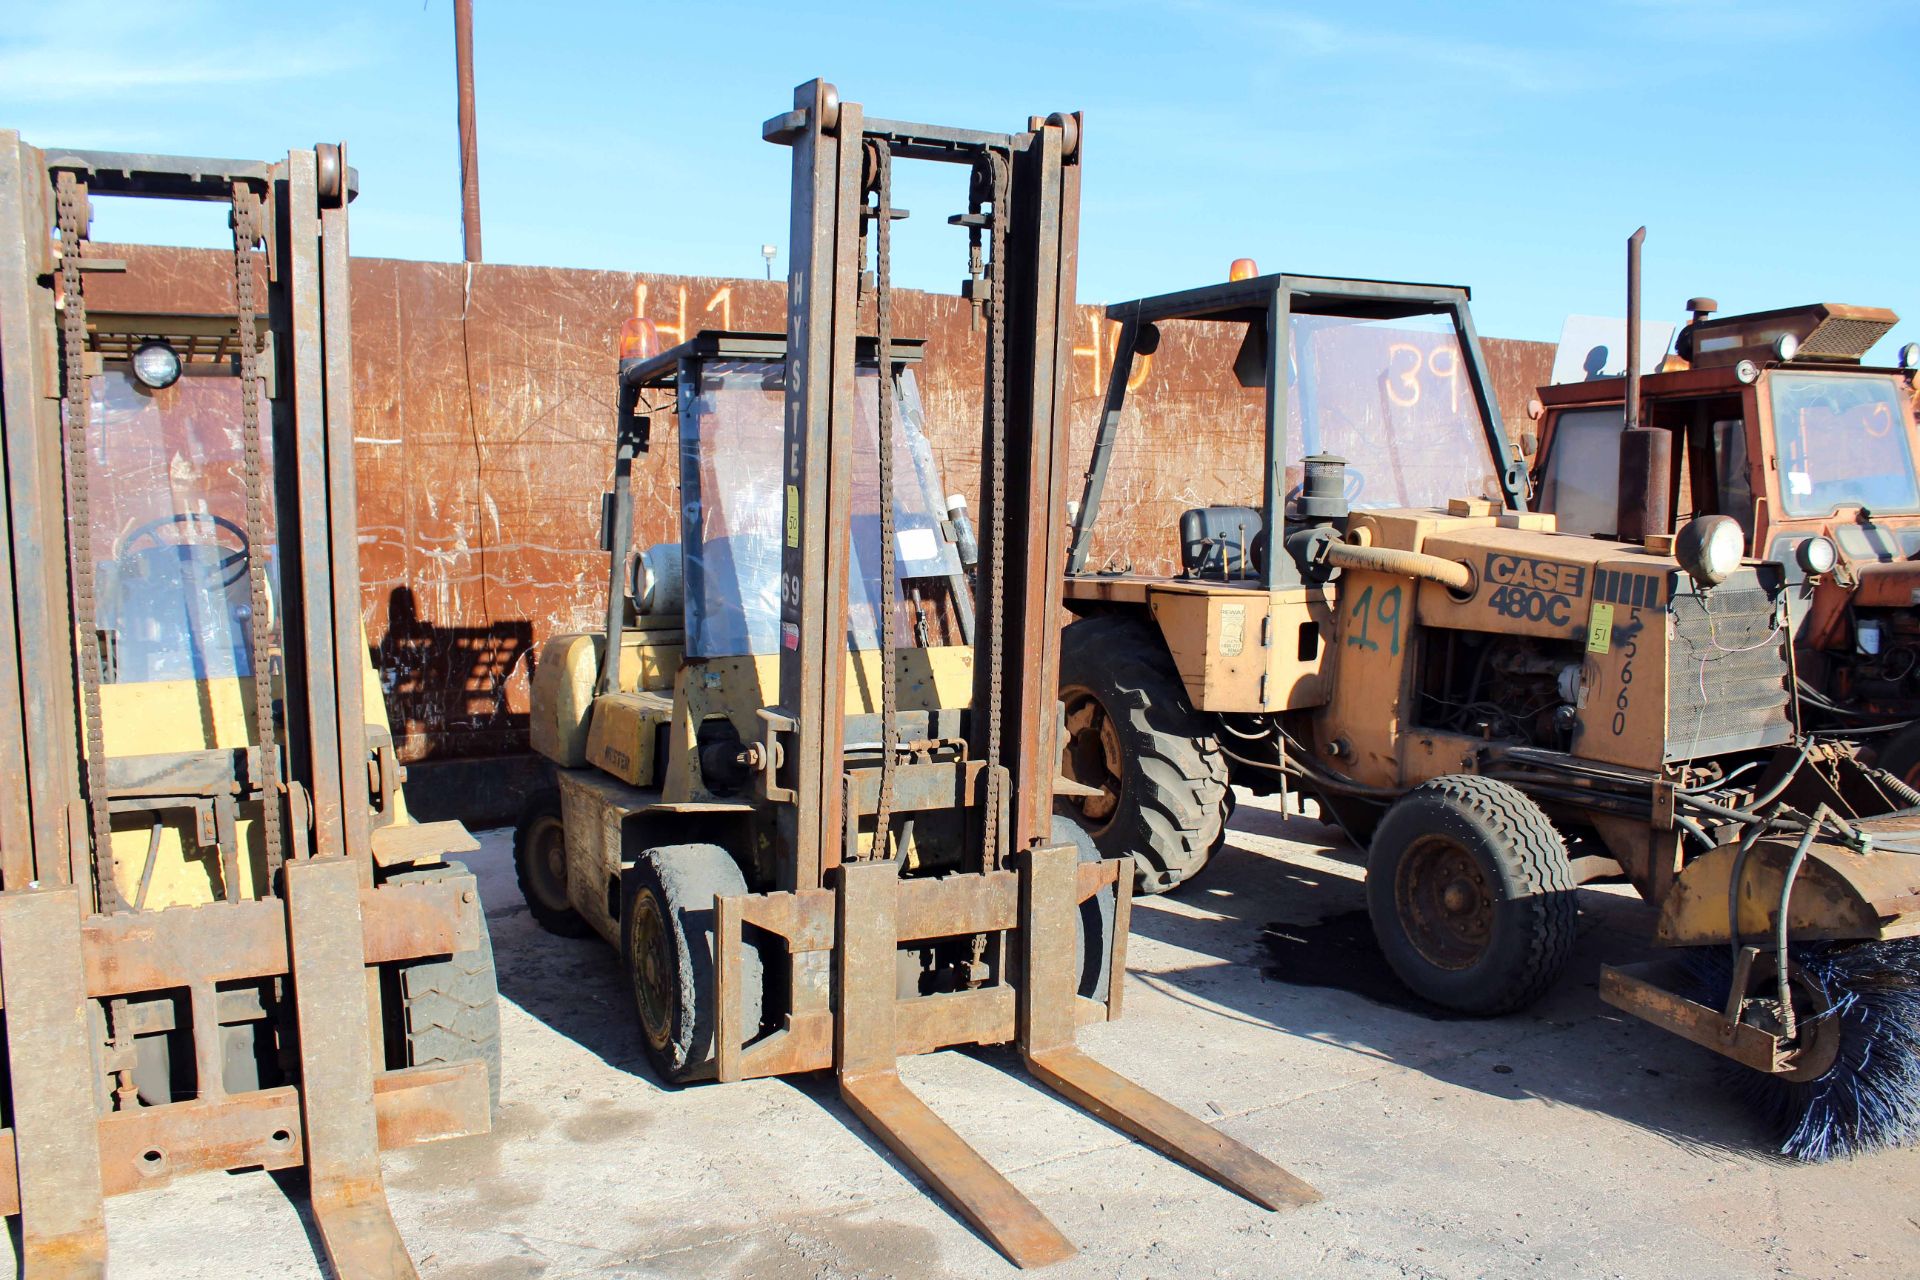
pixel 793 515
pixel 1600 629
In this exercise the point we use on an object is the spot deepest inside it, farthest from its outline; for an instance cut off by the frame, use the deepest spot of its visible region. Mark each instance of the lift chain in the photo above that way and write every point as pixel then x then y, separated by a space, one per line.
pixel 70 206
pixel 883 324
pixel 996 498
pixel 247 232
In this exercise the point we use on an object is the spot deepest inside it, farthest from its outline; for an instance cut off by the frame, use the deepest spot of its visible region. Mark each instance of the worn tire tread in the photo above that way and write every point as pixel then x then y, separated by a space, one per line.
pixel 450 1007
pixel 1544 879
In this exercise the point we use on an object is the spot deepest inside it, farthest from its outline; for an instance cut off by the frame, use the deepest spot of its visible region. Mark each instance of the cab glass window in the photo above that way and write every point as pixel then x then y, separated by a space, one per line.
pixel 1395 399
pixel 1581 484
pixel 168 510
pixel 1842 442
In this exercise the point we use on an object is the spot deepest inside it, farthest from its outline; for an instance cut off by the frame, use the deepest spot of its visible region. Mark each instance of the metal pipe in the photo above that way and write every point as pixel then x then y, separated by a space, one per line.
pixel 1634 242
pixel 1407 564
pixel 469 141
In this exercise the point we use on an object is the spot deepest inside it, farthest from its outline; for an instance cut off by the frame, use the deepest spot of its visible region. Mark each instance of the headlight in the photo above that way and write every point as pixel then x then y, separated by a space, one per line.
pixel 156 364
pixel 1910 356
pixel 1747 371
pixel 1816 554
pixel 1786 346
pixel 1709 549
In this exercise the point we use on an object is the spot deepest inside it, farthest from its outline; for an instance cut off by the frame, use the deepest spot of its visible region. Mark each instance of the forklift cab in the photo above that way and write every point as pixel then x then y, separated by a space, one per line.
pixel 728 390
pixel 668 697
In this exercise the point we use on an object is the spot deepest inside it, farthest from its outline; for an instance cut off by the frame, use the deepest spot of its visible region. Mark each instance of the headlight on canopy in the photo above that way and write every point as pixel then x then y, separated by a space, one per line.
pixel 156 364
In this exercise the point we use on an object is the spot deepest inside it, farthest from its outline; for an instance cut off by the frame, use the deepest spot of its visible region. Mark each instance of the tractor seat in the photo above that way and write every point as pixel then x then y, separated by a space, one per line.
pixel 1212 538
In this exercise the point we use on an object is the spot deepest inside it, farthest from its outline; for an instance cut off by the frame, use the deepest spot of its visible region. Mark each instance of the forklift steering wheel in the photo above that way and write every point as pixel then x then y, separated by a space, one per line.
pixel 150 532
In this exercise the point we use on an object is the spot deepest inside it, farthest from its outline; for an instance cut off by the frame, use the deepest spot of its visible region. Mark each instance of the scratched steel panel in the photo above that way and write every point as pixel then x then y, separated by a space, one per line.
pixel 483 413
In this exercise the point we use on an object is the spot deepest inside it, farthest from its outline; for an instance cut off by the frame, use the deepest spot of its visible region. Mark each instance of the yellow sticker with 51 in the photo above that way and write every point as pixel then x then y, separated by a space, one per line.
pixel 1600 629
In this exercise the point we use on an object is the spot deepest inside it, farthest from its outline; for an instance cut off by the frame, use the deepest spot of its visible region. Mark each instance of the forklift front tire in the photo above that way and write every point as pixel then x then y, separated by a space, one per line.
pixel 447 1010
pixel 1472 895
pixel 666 938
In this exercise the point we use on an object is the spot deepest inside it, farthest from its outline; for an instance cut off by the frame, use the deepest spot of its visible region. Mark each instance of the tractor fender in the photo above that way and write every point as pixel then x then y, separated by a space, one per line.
pixel 1838 895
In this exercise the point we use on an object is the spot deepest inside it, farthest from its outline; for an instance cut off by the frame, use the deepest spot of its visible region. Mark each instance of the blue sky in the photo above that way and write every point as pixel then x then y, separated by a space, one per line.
pixel 1769 146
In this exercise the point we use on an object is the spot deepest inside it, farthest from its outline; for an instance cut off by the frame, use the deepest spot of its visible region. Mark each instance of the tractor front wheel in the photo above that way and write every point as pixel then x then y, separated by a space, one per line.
pixel 1471 894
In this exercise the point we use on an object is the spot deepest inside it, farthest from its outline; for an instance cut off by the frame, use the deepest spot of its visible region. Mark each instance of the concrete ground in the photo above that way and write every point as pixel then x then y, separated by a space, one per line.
pixel 1566 1142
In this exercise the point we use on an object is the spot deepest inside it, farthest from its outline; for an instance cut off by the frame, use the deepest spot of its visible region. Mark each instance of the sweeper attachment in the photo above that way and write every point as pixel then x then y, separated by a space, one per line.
pixel 223 943
pixel 805 778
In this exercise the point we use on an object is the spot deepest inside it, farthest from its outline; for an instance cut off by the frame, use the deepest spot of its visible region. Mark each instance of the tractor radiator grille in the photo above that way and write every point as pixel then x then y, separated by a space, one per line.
pixel 1727 672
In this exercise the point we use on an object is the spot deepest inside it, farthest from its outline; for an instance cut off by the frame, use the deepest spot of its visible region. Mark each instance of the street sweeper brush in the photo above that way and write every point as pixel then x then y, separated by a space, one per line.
pixel 1860 1017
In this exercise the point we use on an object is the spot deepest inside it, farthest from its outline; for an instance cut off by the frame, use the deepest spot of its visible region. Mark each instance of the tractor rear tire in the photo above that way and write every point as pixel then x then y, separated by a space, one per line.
pixel 448 1009
pixel 1132 731
pixel 540 865
pixel 1472 895
pixel 666 939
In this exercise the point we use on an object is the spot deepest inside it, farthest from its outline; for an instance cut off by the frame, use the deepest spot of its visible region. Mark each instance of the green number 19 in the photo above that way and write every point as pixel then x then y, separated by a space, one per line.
pixel 1364 612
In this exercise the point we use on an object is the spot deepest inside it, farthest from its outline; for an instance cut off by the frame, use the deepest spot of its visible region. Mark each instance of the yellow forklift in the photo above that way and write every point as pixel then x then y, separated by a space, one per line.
pixel 804 780
pixel 223 942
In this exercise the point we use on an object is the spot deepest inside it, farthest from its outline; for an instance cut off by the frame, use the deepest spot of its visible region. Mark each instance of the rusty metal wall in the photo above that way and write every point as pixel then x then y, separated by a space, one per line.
pixel 483 424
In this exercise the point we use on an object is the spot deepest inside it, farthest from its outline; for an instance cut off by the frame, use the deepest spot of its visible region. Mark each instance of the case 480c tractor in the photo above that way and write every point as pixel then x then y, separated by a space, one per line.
pixel 1774 420
pixel 802 781
pixel 1467 690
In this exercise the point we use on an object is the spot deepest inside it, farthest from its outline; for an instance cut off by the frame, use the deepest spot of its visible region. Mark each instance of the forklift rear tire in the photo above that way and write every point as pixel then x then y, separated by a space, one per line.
pixel 540 864
pixel 448 1009
pixel 666 937
pixel 1471 895
pixel 1132 731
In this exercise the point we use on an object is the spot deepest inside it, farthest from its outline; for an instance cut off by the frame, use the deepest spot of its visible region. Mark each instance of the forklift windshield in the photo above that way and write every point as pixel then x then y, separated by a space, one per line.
pixel 169 527
pixel 734 508
pixel 1394 398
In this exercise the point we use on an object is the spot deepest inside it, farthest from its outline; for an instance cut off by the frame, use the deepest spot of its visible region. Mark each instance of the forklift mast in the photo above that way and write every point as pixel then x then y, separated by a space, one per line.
pixel 849 885
pixel 1026 197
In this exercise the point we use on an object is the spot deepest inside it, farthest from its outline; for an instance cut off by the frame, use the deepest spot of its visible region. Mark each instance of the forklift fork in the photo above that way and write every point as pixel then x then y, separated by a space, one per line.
pixel 863 921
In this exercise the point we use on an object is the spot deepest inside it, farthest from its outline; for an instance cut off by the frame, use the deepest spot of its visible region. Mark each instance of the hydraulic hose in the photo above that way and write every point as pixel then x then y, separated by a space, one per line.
pixel 1407 564
pixel 1788 1027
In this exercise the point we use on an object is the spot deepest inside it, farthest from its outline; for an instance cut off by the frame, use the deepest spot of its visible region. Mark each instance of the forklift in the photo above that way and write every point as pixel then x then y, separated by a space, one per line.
pixel 804 780
pixel 224 944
